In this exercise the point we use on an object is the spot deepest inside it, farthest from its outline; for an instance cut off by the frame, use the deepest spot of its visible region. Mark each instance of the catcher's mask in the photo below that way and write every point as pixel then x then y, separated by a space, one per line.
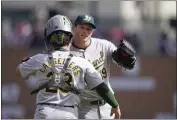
pixel 58 31
pixel 58 39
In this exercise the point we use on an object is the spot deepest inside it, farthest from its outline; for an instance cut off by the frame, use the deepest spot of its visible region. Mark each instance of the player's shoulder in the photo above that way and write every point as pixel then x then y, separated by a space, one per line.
pixel 102 42
pixel 79 58
pixel 81 61
pixel 35 57
pixel 40 55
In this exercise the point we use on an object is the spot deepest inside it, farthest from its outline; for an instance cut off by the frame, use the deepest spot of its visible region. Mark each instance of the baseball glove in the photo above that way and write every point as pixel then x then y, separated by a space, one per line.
pixel 125 55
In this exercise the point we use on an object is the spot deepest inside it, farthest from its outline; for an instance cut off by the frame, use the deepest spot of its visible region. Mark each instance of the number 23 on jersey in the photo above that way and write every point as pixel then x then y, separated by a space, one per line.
pixel 56 90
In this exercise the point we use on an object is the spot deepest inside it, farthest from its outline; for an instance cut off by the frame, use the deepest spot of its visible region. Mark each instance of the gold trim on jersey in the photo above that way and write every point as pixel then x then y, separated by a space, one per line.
pixel 75 68
pixel 51 90
pixel 99 63
pixel 97 67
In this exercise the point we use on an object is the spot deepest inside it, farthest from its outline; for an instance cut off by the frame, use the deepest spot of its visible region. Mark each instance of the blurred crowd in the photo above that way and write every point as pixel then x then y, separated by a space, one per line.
pixel 22 35
pixel 27 33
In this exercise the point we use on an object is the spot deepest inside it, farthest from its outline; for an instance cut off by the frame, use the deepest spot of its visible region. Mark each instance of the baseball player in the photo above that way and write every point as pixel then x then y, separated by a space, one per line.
pixel 64 74
pixel 100 53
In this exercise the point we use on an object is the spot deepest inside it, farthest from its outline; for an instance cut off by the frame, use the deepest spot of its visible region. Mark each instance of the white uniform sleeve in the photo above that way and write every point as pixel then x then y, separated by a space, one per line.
pixel 92 78
pixel 110 49
pixel 30 67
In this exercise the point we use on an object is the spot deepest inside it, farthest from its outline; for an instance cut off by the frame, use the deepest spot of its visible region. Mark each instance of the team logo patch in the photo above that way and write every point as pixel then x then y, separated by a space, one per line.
pixel 87 18
pixel 102 54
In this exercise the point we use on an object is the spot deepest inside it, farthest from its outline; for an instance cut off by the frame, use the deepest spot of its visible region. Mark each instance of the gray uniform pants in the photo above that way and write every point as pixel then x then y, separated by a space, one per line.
pixel 88 111
pixel 55 112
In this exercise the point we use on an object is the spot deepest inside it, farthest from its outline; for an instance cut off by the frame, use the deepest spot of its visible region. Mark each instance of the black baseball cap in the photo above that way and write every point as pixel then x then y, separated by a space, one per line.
pixel 85 19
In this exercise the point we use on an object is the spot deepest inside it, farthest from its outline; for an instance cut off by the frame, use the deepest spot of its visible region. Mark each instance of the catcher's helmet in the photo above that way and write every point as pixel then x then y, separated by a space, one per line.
pixel 58 30
pixel 85 19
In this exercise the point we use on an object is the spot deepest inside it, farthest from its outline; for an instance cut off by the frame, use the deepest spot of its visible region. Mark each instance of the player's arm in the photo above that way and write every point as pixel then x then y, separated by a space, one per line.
pixel 27 67
pixel 94 81
pixel 106 94
pixel 109 97
pixel 17 68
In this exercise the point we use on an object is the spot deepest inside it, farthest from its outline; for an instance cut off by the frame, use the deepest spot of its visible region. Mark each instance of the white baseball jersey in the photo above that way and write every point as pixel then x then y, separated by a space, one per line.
pixel 99 53
pixel 80 72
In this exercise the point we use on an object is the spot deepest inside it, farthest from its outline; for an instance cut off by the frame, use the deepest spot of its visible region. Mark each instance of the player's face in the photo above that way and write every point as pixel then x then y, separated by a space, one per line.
pixel 83 32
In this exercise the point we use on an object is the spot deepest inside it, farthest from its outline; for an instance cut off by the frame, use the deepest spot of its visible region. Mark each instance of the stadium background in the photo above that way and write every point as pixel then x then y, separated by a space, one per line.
pixel 148 91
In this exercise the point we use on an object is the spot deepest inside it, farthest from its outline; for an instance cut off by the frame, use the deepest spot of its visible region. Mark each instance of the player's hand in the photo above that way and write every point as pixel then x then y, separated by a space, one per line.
pixel 117 113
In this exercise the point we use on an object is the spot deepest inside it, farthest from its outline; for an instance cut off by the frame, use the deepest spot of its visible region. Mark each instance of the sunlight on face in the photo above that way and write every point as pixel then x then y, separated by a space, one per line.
pixel 83 32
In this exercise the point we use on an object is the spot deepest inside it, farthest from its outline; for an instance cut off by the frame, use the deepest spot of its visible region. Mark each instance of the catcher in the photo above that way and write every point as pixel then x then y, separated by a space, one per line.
pixel 100 53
